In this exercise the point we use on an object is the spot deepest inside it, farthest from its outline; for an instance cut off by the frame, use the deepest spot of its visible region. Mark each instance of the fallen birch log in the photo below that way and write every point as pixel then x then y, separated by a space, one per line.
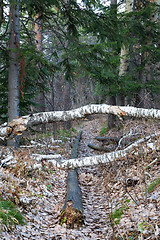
pixel 109 157
pixel 72 212
pixel 17 126
pixel 93 160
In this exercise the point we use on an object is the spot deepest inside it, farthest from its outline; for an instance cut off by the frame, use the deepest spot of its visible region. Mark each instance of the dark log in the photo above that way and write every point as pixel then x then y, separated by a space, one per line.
pixel 72 212
pixel 109 139
pixel 125 141
pixel 100 148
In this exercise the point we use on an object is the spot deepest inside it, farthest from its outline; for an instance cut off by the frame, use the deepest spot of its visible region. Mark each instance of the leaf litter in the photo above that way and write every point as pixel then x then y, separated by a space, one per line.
pixel 115 199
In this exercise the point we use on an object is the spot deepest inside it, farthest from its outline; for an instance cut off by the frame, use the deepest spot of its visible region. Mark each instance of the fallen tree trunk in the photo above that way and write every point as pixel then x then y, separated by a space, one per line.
pixel 122 141
pixel 100 148
pixel 109 157
pixel 72 212
pixel 108 139
pixel 17 126
pixel 94 160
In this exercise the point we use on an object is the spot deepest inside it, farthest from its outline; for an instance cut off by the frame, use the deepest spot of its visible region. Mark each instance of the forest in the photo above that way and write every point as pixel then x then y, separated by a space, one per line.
pixel 79 119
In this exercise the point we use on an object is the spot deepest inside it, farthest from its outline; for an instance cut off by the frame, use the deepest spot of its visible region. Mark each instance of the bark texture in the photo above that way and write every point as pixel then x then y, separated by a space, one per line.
pixel 40 98
pixel 1 12
pixel 100 148
pixel 108 139
pixel 17 126
pixel 13 73
pixel 73 210
pixel 112 99
pixel 123 68
pixel 112 156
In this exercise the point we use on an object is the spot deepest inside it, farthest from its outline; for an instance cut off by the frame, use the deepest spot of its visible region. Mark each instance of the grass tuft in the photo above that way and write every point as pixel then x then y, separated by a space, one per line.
pixel 153 185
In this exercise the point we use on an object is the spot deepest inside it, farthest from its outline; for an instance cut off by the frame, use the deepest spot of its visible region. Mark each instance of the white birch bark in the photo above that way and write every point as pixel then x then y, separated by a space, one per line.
pixel 17 126
pixel 93 160
pixel 108 157
pixel 124 50
pixel 124 56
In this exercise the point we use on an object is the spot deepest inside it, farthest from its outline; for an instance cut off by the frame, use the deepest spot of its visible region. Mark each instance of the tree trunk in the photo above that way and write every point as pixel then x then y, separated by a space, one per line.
pixel 112 156
pixel 111 117
pixel 100 148
pixel 40 99
pixel 123 68
pixel 67 103
pixel 1 12
pixel 17 126
pixel 53 103
pixel 149 67
pixel 13 74
pixel 143 97
pixel 112 99
pixel 148 144
pixel 108 139
pixel 58 98
pixel 72 212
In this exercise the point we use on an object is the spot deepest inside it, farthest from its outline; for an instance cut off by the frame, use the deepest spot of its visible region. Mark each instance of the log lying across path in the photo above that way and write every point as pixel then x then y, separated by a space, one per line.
pixel 17 126
pixel 72 212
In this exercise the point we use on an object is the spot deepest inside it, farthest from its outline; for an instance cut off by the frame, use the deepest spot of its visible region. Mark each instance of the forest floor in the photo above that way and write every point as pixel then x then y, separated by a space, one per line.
pixel 121 200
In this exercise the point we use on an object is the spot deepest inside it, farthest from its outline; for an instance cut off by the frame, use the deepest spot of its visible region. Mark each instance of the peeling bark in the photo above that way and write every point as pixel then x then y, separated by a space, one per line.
pixel 17 126
pixel 109 157
pixel 94 160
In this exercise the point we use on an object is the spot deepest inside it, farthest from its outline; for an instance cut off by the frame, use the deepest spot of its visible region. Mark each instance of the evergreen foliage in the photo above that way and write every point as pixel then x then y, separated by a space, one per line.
pixel 83 40
pixel 142 36
pixel 10 215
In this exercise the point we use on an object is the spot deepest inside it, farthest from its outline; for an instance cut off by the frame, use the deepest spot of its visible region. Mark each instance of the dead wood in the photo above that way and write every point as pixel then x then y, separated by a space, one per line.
pixel 100 148
pixel 125 140
pixel 17 126
pixel 72 213
pixel 109 139
pixel 112 156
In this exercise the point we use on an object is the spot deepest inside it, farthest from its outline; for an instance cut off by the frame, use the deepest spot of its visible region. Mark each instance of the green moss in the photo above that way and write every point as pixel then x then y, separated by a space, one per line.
pixel 63 133
pixel 153 185
pixel 103 130
pixel 64 220
pixel 10 215
pixel 117 214
pixel 74 130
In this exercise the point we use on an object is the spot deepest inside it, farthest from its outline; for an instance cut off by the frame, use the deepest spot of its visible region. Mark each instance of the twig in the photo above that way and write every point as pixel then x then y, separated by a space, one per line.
pixel 155 160
pixel 125 188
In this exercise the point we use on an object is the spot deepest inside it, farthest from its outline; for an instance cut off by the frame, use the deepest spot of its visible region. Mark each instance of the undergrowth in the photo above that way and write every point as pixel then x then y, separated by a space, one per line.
pixel 103 130
pixel 153 185
pixel 9 215
pixel 117 214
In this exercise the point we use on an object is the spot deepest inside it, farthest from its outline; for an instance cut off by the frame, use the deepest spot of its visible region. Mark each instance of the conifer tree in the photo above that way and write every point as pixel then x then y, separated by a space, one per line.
pixel 13 72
